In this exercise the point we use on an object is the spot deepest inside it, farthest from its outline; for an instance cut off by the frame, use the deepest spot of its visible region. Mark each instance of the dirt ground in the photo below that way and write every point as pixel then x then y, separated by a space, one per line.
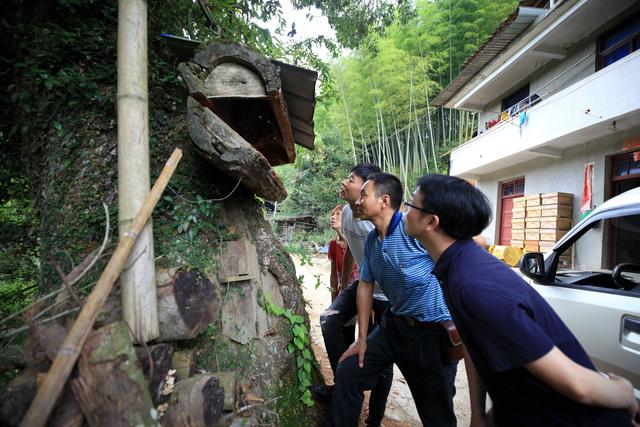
pixel 400 411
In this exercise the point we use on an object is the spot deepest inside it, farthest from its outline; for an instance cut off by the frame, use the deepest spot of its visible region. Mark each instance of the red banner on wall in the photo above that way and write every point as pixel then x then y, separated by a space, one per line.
pixel 587 188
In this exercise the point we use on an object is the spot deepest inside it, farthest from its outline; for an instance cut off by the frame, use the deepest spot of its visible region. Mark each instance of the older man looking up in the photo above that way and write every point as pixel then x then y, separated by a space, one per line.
pixel 343 309
pixel 410 332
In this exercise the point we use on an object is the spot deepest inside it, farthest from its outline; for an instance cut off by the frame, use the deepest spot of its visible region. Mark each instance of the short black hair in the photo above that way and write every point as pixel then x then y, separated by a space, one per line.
pixel 363 170
pixel 464 211
pixel 388 184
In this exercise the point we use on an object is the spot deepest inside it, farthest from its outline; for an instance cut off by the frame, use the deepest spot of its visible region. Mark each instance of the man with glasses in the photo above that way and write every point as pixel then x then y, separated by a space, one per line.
pixel 534 369
pixel 410 332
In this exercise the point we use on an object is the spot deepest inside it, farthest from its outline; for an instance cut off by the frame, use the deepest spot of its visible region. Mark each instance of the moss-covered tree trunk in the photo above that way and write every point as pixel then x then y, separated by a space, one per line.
pixel 61 98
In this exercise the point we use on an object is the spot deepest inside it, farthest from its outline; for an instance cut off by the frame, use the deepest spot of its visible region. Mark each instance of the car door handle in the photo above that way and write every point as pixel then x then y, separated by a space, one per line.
pixel 631 325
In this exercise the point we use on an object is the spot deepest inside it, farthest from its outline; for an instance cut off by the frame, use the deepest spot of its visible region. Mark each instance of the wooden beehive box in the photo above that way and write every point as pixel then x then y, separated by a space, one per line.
pixel 533 200
pixel 551 234
pixel 546 246
pixel 555 222
pixel 532 234
pixel 517 223
pixel 533 211
pixel 517 235
pixel 557 199
pixel 561 211
pixel 532 223
pixel 531 246
pixel 518 213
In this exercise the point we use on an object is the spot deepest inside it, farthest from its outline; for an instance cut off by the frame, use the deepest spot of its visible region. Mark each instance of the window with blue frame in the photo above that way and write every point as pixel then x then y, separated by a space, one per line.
pixel 618 42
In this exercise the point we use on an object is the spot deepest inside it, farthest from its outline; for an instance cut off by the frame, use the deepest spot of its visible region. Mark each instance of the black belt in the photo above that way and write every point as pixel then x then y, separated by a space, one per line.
pixel 413 323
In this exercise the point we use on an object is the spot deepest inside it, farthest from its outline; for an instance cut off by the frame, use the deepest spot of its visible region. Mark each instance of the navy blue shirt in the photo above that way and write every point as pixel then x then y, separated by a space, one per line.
pixel 506 324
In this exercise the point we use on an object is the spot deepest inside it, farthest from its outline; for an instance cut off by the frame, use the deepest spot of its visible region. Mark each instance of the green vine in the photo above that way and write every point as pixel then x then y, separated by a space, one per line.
pixel 300 344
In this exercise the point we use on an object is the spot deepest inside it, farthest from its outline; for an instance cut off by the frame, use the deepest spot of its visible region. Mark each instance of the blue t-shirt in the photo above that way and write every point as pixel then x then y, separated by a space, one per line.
pixel 506 324
pixel 404 270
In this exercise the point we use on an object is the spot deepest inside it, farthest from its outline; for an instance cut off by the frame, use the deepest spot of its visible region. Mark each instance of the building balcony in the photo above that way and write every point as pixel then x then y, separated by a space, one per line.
pixel 605 102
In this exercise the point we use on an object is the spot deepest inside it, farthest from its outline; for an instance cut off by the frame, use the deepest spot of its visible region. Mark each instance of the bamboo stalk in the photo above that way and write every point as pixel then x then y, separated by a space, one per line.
pixel 57 376
pixel 346 112
pixel 138 285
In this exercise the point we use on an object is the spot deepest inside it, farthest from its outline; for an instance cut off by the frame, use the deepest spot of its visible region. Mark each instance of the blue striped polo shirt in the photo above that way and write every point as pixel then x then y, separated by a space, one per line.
pixel 404 270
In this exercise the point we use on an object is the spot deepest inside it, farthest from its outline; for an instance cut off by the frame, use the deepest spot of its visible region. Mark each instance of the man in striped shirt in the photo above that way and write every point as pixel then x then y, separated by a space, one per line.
pixel 410 333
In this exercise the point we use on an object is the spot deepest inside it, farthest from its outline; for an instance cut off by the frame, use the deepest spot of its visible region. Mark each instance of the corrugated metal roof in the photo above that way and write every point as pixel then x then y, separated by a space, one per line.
pixel 298 89
pixel 507 31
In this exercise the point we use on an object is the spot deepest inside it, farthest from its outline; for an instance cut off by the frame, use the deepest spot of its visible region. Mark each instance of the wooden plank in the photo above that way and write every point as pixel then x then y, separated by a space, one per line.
pixel 216 53
pixel 50 389
pixel 231 79
pixel 227 150
pixel 280 111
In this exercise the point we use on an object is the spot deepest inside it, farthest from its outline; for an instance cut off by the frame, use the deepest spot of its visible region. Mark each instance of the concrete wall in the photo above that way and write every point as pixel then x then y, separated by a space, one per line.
pixel 563 175
pixel 542 80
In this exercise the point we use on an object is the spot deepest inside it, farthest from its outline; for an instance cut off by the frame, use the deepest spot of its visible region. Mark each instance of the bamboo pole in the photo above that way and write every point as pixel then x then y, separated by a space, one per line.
pixel 56 378
pixel 139 306
pixel 346 112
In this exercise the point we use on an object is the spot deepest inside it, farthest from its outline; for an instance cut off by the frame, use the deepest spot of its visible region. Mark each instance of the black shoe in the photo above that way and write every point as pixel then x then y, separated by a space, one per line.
pixel 321 393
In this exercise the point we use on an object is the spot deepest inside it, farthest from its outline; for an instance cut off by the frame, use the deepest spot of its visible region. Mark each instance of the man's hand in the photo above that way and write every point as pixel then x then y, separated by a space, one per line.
pixel 358 347
pixel 626 385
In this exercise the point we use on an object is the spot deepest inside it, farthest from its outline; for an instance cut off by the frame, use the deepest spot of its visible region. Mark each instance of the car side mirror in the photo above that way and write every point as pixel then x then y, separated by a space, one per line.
pixel 532 266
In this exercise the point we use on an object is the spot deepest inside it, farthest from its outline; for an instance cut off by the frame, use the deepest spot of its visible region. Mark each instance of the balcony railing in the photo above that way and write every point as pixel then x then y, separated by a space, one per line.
pixel 568 116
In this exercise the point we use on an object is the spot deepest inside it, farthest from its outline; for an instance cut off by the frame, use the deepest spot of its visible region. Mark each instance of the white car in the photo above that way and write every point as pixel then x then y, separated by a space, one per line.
pixel 601 307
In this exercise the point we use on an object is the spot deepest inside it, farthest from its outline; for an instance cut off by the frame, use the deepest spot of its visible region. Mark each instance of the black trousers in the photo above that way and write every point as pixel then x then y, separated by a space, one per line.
pixel 417 354
pixel 337 340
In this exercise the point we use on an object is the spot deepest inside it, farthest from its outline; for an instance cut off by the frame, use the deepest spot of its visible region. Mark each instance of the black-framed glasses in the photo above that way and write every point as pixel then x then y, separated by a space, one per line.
pixel 411 205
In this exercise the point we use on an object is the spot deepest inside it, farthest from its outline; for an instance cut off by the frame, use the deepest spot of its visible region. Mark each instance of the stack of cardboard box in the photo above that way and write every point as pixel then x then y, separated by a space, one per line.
pixel 540 220
pixel 532 223
pixel 555 220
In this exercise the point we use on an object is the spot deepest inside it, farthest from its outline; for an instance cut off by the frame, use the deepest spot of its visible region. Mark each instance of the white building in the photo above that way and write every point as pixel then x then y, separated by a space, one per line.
pixel 565 77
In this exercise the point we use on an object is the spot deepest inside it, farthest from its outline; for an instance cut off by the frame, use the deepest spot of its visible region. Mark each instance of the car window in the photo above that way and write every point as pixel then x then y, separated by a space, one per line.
pixel 607 243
